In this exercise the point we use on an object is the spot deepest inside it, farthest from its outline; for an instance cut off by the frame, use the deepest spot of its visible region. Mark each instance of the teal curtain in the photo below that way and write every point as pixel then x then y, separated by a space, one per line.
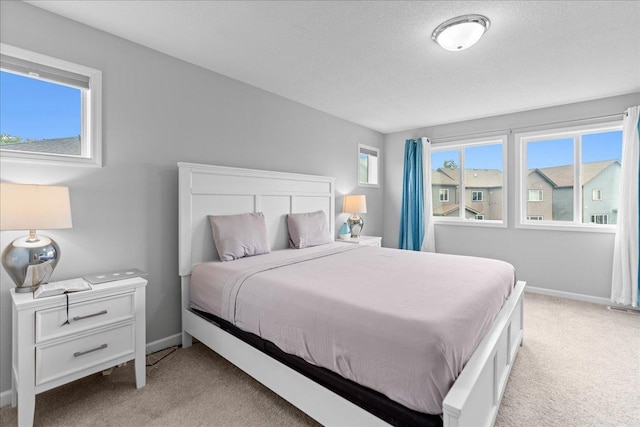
pixel 412 214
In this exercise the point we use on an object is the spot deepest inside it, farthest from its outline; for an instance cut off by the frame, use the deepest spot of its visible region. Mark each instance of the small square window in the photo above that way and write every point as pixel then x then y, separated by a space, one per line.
pixel 535 196
pixel 477 196
pixel 600 219
pixel 444 194
pixel 368 162
pixel 596 194
pixel 49 109
pixel 479 217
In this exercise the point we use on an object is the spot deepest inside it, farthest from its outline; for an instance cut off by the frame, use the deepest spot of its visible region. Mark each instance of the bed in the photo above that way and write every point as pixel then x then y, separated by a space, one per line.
pixel 474 397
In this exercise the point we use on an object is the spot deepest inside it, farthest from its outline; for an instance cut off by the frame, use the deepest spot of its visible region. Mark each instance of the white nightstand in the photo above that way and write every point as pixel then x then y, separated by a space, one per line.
pixel 365 240
pixel 107 327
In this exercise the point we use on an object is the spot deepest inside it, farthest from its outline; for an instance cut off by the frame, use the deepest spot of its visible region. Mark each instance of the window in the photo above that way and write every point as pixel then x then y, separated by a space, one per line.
pixel 596 195
pixel 469 179
pixel 49 109
pixel 368 171
pixel 535 196
pixel 600 219
pixel 577 169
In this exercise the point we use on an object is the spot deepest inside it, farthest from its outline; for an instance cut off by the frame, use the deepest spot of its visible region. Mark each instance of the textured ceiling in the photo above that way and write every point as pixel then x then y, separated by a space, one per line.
pixel 373 63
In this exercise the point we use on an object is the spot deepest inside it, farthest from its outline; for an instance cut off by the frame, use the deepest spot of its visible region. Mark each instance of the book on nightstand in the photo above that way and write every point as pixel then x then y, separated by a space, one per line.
pixel 59 288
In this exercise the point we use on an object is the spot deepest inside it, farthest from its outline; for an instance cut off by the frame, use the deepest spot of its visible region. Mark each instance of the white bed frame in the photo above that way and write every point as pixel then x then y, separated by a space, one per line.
pixel 214 190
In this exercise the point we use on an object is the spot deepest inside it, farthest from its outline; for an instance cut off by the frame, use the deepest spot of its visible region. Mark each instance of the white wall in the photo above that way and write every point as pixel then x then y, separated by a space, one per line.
pixel 574 262
pixel 157 111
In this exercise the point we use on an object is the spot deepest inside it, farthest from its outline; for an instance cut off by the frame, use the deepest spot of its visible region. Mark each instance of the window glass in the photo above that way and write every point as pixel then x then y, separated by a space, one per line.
pixel 600 175
pixel 445 181
pixel 39 116
pixel 550 171
pixel 571 176
pixel 483 181
pixel 50 109
pixel 368 162
pixel 468 180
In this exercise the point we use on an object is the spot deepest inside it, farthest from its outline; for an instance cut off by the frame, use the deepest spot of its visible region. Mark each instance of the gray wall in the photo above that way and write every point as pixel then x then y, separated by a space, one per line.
pixel 157 111
pixel 566 261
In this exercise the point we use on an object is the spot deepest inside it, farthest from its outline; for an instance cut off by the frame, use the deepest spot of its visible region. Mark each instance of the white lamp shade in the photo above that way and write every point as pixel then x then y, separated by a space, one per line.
pixel 354 204
pixel 461 36
pixel 34 207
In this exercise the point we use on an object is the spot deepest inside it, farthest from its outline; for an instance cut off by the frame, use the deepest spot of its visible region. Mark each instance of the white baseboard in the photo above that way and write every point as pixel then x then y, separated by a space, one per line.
pixel 161 344
pixel 569 295
pixel 5 398
pixel 152 347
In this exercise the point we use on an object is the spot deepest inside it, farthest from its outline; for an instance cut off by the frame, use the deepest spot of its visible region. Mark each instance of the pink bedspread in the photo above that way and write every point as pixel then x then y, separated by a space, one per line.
pixel 400 322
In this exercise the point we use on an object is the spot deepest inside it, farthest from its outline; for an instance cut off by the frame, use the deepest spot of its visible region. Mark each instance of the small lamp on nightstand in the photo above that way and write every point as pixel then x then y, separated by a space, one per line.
pixel 30 260
pixel 355 204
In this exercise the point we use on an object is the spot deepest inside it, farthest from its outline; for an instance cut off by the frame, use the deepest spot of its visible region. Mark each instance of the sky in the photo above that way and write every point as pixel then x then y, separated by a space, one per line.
pixel 32 108
pixel 540 154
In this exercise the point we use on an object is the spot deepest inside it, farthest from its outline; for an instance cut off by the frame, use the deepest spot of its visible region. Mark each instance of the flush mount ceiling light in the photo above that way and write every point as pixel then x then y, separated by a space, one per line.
pixel 460 33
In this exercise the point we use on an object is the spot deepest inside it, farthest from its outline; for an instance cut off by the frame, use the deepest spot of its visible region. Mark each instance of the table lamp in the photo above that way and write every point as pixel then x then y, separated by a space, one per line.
pixel 355 204
pixel 30 260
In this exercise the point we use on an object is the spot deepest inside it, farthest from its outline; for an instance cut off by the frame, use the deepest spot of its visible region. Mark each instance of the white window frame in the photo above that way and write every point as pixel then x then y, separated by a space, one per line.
pixel 461 145
pixel 596 195
pixel 445 192
pixel 479 217
pixel 575 132
pixel 540 192
pixel 478 193
pixel 375 171
pixel 91 128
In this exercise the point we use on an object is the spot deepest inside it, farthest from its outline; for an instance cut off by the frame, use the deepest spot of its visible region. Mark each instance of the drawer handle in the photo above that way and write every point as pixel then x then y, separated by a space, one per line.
pixel 82 353
pixel 100 313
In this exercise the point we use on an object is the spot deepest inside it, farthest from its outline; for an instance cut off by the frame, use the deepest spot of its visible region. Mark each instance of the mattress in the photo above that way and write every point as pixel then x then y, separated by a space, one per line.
pixel 401 323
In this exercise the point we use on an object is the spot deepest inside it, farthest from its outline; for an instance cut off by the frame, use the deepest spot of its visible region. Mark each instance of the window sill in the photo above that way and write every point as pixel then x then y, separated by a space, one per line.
pixel 48 159
pixel 585 228
pixel 471 223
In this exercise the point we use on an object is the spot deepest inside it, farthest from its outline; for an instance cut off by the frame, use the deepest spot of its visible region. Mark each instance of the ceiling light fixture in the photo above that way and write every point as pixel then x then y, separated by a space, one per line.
pixel 461 32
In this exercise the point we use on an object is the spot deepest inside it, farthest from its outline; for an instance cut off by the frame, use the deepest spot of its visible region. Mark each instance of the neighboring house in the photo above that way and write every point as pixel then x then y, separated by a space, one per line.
pixel 600 195
pixel 483 193
pixel 70 146
pixel 539 196
pixel 549 195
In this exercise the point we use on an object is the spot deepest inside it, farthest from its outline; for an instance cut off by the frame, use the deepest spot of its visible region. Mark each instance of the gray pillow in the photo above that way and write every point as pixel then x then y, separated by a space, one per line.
pixel 308 229
pixel 238 236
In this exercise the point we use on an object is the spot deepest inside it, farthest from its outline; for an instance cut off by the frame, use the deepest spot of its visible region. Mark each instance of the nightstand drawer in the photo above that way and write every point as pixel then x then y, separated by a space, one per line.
pixel 83 316
pixel 67 357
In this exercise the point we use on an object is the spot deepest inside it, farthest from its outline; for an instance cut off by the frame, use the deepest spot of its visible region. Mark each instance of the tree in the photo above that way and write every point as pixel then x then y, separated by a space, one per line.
pixel 9 139
pixel 450 164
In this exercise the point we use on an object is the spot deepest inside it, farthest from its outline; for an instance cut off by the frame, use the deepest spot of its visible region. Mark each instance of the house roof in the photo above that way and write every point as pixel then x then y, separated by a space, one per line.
pixel 69 146
pixel 473 178
pixel 562 176
pixel 448 208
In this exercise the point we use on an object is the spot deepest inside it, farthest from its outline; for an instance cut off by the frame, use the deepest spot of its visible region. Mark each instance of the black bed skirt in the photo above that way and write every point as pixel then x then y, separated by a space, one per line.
pixel 369 400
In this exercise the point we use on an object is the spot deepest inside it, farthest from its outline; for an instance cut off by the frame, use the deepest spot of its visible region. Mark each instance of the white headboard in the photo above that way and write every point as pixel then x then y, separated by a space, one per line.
pixel 217 190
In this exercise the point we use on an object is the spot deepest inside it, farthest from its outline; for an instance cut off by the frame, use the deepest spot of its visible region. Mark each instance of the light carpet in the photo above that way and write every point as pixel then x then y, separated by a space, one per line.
pixel 579 366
